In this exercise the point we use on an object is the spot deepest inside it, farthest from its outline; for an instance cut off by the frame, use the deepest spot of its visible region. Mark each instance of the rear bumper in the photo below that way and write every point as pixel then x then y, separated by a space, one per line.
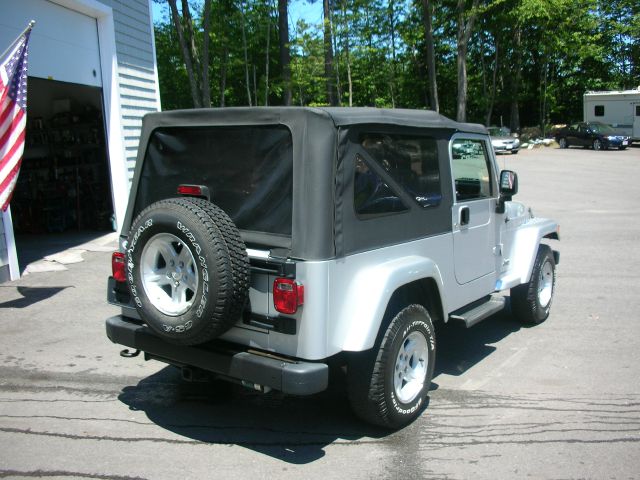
pixel 291 377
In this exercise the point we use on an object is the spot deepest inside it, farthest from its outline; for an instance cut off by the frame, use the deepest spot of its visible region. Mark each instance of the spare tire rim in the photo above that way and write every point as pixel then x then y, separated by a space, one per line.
pixel 545 284
pixel 410 368
pixel 169 274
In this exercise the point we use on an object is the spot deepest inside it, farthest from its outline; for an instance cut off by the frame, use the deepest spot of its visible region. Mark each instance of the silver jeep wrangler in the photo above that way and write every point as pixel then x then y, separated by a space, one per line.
pixel 266 245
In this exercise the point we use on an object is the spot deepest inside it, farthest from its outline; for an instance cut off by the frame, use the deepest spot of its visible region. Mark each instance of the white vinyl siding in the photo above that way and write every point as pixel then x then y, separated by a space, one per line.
pixel 137 80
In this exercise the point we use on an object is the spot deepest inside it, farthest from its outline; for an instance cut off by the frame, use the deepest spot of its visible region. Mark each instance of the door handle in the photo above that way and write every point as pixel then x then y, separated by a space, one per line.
pixel 464 216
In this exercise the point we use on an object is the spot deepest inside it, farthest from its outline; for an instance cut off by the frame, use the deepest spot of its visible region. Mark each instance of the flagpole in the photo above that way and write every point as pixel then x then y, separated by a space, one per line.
pixel 29 27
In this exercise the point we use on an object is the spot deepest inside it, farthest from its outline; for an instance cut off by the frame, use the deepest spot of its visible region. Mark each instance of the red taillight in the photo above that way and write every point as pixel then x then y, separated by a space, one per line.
pixel 117 267
pixel 288 295
pixel 192 190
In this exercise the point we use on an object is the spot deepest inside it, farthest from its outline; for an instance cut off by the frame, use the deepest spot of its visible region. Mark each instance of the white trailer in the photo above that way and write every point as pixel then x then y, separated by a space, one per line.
pixel 620 109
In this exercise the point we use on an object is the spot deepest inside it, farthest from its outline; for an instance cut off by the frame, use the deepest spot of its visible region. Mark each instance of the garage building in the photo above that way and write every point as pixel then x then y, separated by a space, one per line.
pixel 92 76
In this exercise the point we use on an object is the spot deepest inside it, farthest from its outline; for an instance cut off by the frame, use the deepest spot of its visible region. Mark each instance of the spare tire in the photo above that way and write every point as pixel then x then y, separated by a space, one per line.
pixel 237 253
pixel 187 270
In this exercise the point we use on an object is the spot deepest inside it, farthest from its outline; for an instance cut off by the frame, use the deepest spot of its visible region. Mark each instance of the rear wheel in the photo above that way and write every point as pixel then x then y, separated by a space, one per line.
pixel 531 301
pixel 388 385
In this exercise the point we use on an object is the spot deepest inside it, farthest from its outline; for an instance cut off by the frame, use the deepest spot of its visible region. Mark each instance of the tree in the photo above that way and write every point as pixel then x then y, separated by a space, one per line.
pixel 197 67
pixel 285 52
pixel 427 15
pixel 328 53
pixel 466 19
pixel 518 62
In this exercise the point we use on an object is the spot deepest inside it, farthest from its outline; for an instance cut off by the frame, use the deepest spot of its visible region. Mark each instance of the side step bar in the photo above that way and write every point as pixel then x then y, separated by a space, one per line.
pixel 478 311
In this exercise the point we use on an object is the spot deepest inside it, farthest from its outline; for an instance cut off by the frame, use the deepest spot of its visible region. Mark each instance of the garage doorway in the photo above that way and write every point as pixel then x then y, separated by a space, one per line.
pixel 64 186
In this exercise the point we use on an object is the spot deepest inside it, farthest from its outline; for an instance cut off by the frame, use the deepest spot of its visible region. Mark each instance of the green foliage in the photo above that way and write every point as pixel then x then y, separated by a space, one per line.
pixel 549 53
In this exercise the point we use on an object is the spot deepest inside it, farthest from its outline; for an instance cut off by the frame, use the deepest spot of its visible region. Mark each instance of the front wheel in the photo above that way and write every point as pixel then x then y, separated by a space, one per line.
pixel 563 143
pixel 531 301
pixel 388 385
pixel 597 144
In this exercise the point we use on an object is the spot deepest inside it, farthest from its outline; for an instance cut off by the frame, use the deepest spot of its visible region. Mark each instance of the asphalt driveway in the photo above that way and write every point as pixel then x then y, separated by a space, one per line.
pixel 559 400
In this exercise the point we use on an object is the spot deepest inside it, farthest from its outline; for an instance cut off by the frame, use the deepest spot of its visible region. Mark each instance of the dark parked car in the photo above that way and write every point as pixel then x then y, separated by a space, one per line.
pixel 599 136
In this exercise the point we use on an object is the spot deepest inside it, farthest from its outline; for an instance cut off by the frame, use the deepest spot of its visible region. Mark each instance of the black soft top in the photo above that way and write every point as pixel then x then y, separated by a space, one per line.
pixel 318 136
pixel 339 116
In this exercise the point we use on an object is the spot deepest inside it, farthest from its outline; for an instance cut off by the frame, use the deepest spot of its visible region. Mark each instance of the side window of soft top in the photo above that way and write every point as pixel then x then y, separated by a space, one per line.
pixel 371 194
pixel 410 160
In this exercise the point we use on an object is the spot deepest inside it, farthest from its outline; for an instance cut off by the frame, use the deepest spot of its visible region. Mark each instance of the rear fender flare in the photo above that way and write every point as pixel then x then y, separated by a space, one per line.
pixel 369 294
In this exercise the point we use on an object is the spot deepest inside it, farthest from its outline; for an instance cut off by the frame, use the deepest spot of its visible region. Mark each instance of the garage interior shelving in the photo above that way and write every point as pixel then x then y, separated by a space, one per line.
pixel 64 182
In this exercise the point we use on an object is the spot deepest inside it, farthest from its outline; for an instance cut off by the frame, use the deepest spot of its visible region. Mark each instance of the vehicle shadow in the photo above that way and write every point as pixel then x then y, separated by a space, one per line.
pixel 31 295
pixel 34 247
pixel 459 348
pixel 295 430
pixel 292 429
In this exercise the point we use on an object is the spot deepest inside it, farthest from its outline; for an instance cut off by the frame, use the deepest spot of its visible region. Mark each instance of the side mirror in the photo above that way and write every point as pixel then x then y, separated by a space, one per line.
pixel 508 188
pixel 508 183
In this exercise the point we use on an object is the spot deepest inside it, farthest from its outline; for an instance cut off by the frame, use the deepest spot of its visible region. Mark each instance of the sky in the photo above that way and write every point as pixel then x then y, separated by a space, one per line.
pixel 298 9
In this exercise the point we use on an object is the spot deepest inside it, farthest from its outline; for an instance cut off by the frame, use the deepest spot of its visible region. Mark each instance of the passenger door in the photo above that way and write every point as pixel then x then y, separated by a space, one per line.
pixel 473 210
pixel 585 135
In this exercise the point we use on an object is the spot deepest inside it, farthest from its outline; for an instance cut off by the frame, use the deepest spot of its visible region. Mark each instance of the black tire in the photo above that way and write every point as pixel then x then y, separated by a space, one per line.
pixel 598 145
pixel 372 374
pixel 514 152
pixel 531 301
pixel 180 272
pixel 563 142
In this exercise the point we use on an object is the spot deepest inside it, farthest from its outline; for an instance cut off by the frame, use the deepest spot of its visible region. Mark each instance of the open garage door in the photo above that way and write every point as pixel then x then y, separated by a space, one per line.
pixel 64 186
pixel 64 43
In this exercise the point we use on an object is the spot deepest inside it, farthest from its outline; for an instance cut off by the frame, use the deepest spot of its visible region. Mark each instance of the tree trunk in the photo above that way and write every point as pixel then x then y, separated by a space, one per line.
pixel 347 53
pixel 392 70
pixel 465 28
pixel 266 67
pixel 285 52
pixel 246 56
pixel 191 36
pixel 336 63
pixel 206 88
pixel 186 56
pixel 492 95
pixel 328 54
pixel 427 17
pixel 255 85
pixel 223 74
pixel 514 121
pixel 225 13
pixel 543 96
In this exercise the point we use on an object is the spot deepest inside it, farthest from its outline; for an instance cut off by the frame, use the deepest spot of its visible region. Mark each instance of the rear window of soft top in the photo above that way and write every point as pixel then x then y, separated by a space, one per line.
pixel 248 170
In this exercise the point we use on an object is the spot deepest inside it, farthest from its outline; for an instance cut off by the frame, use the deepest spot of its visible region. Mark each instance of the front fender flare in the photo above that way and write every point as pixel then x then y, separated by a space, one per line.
pixel 525 247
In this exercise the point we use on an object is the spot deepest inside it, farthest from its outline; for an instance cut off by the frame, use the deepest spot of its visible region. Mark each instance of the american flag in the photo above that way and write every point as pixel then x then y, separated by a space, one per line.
pixel 13 114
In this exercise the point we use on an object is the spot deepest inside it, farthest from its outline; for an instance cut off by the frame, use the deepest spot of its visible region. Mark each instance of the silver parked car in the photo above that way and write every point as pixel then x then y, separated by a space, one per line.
pixel 503 141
